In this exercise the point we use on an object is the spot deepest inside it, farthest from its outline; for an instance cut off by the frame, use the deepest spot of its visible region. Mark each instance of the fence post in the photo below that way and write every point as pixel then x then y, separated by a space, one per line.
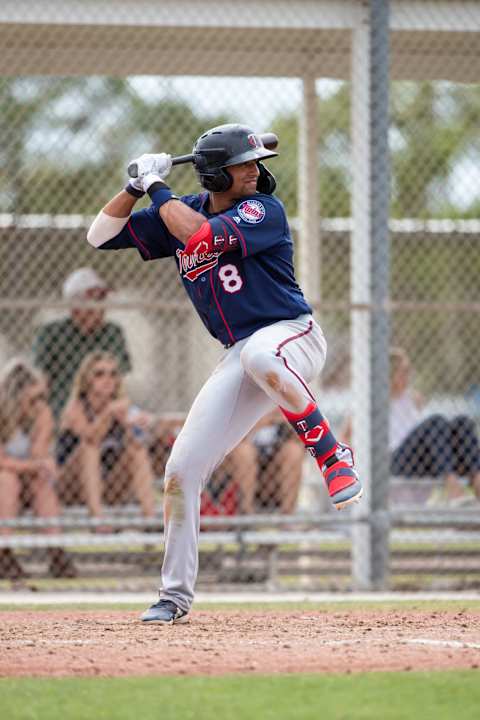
pixel 369 280
pixel 309 233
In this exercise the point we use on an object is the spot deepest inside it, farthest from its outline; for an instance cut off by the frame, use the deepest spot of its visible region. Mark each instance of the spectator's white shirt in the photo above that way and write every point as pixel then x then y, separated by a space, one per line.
pixel 404 416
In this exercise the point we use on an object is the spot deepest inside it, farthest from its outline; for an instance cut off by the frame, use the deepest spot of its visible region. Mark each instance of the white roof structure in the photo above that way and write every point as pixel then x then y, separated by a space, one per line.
pixel 291 39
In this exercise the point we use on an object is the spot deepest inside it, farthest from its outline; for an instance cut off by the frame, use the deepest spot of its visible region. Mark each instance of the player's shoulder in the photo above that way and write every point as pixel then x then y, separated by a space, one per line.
pixel 272 200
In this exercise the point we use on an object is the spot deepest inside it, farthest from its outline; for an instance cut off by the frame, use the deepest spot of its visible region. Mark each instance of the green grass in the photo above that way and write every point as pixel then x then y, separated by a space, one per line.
pixel 293 606
pixel 367 696
pixel 373 696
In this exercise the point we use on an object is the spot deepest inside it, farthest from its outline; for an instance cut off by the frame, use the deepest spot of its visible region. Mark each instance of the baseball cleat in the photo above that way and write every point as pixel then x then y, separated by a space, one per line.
pixel 166 612
pixel 344 486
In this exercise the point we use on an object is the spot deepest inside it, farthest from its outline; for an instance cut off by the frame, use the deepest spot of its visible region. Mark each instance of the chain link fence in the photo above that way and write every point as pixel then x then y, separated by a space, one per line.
pixel 85 88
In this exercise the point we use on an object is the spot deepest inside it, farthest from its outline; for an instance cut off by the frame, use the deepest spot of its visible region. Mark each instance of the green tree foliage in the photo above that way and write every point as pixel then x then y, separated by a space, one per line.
pixel 67 140
pixel 433 135
pixel 332 154
pixel 434 129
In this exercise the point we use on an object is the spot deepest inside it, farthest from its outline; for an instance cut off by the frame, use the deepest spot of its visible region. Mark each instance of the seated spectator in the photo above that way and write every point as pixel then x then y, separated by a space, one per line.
pixel 279 460
pixel 230 487
pixel 263 473
pixel 28 472
pixel 101 457
pixel 231 484
pixel 429 445
pixel 60 346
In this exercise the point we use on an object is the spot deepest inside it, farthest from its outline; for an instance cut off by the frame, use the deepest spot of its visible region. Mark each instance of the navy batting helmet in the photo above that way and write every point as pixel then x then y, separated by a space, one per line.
pixel 227 145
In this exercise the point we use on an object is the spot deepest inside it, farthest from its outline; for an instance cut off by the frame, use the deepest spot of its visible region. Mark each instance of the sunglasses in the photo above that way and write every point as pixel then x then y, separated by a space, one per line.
pixel 102 373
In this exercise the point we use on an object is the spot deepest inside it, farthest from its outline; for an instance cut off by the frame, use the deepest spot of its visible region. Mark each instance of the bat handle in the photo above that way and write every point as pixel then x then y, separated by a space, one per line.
pixel 179 160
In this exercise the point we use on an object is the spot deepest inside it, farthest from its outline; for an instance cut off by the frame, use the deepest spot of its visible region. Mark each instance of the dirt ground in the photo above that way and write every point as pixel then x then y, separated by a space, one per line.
pixel 115 643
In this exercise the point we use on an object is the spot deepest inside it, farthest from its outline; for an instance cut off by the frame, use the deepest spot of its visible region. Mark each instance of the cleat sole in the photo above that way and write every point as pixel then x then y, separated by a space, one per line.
pixel 354 499
pixel 180 621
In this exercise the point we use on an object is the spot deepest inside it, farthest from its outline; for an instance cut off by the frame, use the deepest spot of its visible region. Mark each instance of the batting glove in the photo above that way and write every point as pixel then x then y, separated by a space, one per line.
pixel 150 179
pixel 135 187
pixel 151 167
pixel 159 163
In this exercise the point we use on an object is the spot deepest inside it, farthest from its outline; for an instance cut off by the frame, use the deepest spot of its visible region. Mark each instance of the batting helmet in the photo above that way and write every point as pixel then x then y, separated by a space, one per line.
pixel 227 145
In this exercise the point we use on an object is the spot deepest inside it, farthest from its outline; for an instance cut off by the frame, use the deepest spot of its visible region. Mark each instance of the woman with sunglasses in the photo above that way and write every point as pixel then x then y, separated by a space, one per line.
pixel 28 472
pixel 102 458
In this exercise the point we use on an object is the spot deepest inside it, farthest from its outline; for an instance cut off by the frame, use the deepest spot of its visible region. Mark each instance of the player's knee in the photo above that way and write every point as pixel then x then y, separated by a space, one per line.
pixel 187 474
pixel 257 363
pixel 173 469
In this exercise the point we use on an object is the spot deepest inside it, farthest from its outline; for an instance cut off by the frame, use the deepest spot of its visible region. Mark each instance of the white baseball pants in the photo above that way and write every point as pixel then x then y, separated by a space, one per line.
pixel 271 367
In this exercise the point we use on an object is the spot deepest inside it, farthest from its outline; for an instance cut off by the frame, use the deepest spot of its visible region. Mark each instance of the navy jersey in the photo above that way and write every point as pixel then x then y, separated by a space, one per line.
pixel 237 292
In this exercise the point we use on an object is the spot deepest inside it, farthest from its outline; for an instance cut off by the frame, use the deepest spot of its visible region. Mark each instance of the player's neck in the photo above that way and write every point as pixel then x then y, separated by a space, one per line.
pixel 218 202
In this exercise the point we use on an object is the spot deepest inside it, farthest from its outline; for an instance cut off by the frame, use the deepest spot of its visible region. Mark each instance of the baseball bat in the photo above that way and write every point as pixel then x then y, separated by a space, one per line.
pixel 270 141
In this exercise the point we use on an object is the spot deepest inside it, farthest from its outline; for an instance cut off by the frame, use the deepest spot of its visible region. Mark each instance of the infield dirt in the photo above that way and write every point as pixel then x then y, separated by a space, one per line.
pixel 114 643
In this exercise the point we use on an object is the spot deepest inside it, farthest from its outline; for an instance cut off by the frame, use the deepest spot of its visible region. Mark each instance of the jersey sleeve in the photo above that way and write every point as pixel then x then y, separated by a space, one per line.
pixel 145 231
pixel 254 224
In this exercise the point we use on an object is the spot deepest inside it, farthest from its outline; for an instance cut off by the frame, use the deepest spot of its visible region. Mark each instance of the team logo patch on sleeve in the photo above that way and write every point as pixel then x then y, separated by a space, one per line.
pixel 252 211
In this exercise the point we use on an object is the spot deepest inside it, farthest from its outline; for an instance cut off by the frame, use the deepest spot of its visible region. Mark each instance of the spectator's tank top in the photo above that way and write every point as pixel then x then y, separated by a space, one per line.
pixel 19 445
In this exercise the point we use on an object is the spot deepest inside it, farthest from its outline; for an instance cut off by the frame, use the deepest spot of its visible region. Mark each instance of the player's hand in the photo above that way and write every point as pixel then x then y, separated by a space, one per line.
pixel 149 179
pixel 151 168
pixel 137 185
pixel 159 164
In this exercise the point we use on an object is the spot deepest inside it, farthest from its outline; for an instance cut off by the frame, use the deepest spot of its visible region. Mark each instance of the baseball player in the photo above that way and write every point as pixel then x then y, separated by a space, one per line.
pixel 233 250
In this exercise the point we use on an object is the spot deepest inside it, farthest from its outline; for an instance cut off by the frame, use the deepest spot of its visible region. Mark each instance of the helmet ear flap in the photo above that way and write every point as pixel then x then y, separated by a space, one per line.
pixel 266 182
pixel 218 180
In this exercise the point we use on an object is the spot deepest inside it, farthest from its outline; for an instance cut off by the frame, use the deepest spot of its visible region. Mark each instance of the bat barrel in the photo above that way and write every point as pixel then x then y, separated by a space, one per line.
pixel 270 140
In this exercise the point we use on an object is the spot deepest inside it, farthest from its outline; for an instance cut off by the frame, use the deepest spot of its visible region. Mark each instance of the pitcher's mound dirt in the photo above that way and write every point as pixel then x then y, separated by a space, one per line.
pixel 88 643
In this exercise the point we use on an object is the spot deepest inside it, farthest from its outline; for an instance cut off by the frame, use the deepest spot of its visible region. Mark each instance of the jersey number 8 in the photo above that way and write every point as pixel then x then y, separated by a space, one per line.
pixel 230 278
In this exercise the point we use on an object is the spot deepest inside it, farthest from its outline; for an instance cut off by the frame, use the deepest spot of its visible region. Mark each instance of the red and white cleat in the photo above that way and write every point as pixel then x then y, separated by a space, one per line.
pixel 344 486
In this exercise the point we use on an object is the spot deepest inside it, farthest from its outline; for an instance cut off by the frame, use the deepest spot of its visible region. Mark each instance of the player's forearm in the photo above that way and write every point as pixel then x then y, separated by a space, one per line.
pixel 111 219
pixel 121 205
pixel 181 221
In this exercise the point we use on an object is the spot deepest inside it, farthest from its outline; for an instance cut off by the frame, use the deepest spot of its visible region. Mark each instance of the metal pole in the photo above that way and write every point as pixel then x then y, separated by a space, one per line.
pixel 309 234
pixel 370 279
